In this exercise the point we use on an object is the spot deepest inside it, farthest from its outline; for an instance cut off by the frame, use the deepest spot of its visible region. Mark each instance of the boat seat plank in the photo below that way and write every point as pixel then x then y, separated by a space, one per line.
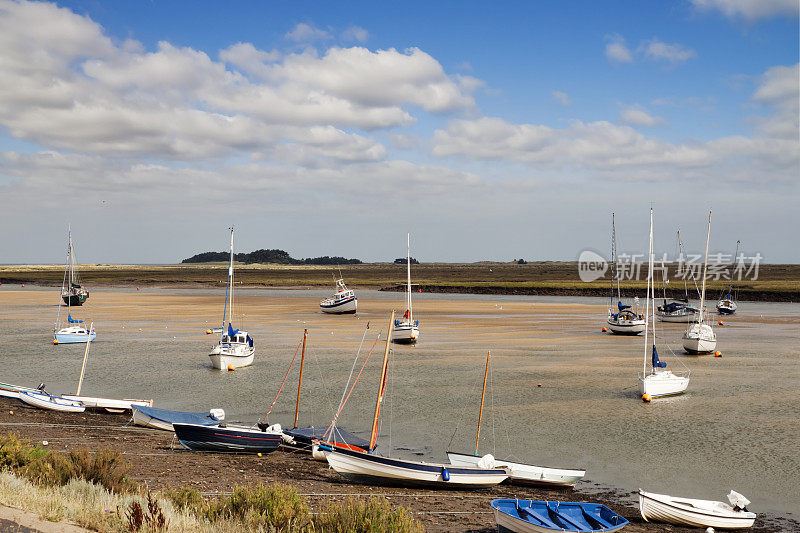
pixel 559 516
pixel 528 514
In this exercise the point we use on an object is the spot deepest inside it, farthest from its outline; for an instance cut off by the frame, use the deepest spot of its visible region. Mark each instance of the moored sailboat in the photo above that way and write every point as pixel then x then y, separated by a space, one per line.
pixel 727 305
pixel 72 292
pixel 700 337
pixel 659 381
pixel 626 321
pixel 343 300
pixel 75 330
pixel 406 331
pixel 235 348
pixel 677 309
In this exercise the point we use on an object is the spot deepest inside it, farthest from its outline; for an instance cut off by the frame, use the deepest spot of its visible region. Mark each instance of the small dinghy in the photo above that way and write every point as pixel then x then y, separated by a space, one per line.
pixel 698 513
pixel 43 400
pixel 527 516
pixel 522 473
pixel 153 417
pixel 228 439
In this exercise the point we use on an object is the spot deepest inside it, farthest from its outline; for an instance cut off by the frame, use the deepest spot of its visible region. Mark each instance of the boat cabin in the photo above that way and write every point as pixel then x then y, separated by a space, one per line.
pixel 240 337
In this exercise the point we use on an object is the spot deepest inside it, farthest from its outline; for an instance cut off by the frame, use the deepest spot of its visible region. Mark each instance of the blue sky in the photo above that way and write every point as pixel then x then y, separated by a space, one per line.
pixel 488 131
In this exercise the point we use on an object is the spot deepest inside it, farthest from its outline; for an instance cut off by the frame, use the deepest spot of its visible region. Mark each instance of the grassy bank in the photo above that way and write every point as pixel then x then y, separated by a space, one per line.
pixel 93 490
pixel 774 283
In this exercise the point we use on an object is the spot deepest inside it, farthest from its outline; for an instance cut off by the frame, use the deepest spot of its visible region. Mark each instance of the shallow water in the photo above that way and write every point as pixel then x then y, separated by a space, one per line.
pixel 737 427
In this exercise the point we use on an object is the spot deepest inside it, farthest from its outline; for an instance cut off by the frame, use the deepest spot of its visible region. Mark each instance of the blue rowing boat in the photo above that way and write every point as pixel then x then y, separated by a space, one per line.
pixel 228 439
pixel 528 516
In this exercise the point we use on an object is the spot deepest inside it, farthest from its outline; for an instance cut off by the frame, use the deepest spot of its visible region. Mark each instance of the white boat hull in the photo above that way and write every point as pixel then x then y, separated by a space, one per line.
pixel 522 473
pixel 71 336
pixel 699 340
pixel 53 403
pixel 338 308
pixel 108 403
pixel 358 465
pixel 506 522
pixel 223 358
pixel 726 307
pixel 405 333
pixel 141 419
pixel 689 512
pixel 12 391
pixel 662 383
pixel 684 318
pixel 634 327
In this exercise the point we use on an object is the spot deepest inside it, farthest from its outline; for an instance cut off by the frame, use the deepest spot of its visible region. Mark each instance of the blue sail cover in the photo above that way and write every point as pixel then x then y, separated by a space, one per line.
pixel 73 321
pixel 180 417
pixel 231 331
pixel 656 362
pixel 621 307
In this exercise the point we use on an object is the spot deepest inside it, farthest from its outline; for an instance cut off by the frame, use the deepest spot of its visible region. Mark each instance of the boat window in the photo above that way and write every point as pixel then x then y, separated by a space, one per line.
pixel 225 338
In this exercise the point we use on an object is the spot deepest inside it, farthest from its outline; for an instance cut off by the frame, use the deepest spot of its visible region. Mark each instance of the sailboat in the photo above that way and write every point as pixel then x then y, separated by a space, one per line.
pixel 677 309
pixel 406 331
pixel 71 291
pixel 659 381
pixel 726 305
pixel 625 321
pixel 235 348
pixel 517 472
pixel 372 468
pixel 700 338
pixel 343 300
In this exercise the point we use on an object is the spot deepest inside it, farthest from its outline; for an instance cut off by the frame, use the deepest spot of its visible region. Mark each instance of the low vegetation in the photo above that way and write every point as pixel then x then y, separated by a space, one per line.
pixel 275 256
pixel 93 490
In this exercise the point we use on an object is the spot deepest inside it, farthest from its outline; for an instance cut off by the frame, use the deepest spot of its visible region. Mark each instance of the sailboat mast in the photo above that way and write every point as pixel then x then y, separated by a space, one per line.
pixel 61 296
pixel 613 258
pixel 300 383
pixel 647 304
pixel 733 264
pixel 230 280
pixel 373 439
pixel 483 396
pixel 705 266
pixel 85 356
pixel 408 268
pixel 680 251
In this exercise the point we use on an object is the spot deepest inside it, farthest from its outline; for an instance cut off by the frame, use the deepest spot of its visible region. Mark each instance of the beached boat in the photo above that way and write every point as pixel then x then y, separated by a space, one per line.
pixel 625 321
pixel 406 331
pixel 228 439
pixel 74 334
pixel 109 404
pixel 697 513
pixel 43 400
pixel 343 300
pixel 700 338
pixel 659 381
pixel 727 305
pixel 153 417
pixel 235 348
pixel 71 291
pixel 527 516
pixel 372 468
pixel 517 472
pixel 677 310
pixel 8 390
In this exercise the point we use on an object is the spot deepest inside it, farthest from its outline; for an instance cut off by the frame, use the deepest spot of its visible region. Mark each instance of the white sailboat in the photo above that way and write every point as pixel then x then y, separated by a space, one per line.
pixel 727 305
pixel 235 348
pixel 700 338
pixel 625 321
pixel 343 300
pixel 675 309
pixel 72 294
pixel 659 381
pixel 406 330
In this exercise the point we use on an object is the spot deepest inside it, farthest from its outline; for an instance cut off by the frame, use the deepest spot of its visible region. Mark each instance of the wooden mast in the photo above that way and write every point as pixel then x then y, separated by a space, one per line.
pixel 300 383
pixel 483 395
pixel 85 355
pixel 374 436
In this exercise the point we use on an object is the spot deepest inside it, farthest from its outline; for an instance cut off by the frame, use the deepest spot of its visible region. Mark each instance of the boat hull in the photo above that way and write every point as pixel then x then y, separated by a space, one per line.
pixel 232 439
pixel 699 340
pixel 405 333
pixel 341 307
pixel 525 474
pixel 51 402
pixel 12 391
pixel 74 338
pixel 626 327
pixel 163 419
pixel 726 307
pixel 76 300
pixel 363 467
pixel 526 516
pixel 689 512
pixel 222 359
pixel 109 404
pixel 663 383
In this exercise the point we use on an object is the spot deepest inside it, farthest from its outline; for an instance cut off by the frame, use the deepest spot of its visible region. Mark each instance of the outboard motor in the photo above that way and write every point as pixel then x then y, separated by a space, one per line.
pixel 738 501
pixel 219 414
pixel 40 387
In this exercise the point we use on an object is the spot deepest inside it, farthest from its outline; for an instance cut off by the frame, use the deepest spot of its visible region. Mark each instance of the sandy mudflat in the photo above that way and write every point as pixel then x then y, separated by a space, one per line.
pixel 151 344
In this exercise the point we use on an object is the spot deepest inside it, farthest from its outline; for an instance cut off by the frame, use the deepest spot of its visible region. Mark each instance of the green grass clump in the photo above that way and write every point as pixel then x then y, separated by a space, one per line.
pixel 359 516
pixel 45 467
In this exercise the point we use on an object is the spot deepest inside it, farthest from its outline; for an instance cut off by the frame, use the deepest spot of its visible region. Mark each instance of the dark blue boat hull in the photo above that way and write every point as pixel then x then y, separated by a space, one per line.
pixel 225 439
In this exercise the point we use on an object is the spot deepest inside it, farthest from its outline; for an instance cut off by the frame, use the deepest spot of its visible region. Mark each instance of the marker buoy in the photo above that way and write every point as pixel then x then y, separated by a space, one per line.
pixel 646 398
pixel 23 284
pixel 231 368
pixel 721 323
pixel 445 475
pixel 717 354
pixel 538 384
pixel 208 332
pixel 259 454
pixel 603 330
pixel 55 341
pixel 420 290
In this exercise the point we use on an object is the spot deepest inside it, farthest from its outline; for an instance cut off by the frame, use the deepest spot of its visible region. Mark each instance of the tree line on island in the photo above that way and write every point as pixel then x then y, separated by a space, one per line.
pixel 269 256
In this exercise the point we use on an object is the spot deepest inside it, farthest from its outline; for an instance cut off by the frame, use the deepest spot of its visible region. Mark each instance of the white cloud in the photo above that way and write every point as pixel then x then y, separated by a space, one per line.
pixel 248 58
pixel 617 51
pixel 636 116
pixel 562 98
pixel 306 33
pixel 657 50
pixel 356 34
pixel 750 9
pixel 780 90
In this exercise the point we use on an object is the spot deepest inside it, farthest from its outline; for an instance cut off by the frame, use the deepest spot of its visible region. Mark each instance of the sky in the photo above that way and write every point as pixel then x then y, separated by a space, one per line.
pixel 489 131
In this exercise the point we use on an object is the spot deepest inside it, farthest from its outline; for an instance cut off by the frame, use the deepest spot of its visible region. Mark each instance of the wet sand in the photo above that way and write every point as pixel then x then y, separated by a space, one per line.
pixel 735 428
